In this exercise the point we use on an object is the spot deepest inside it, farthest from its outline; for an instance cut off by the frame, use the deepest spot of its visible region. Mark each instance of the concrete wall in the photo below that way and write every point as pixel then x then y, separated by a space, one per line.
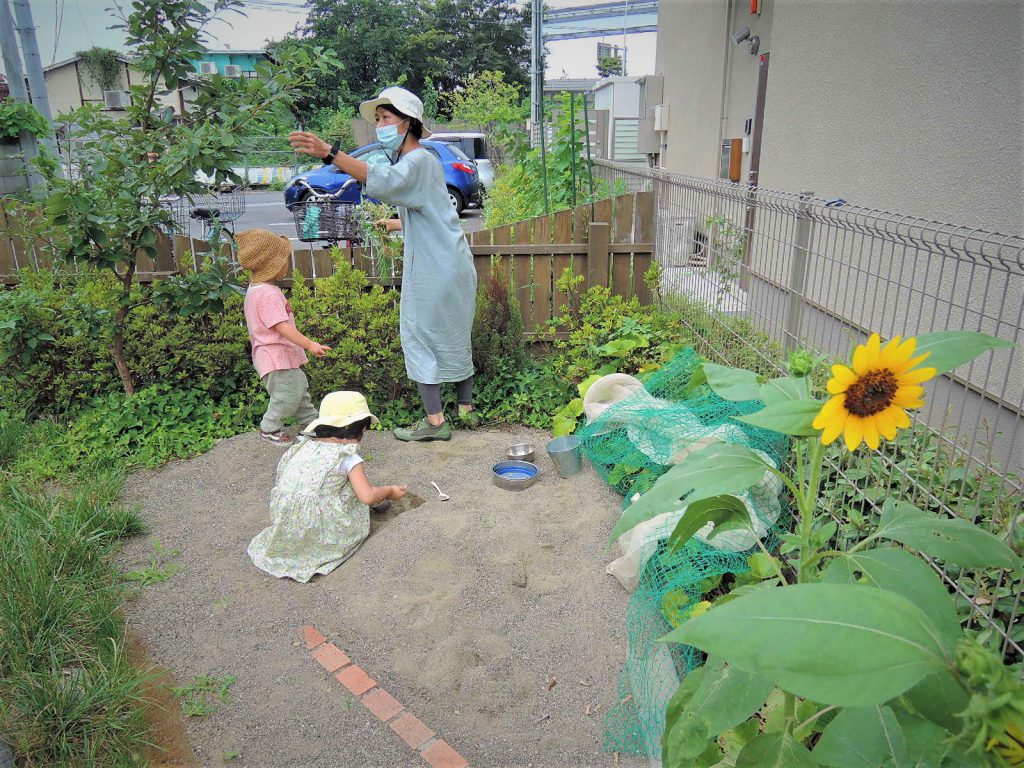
pixel 692 56
pixel 910 106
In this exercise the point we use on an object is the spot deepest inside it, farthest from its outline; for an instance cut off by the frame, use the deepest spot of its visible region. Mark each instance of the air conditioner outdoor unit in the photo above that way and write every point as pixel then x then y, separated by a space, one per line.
pixel 661 117
pixel 116 99
pixel 207 67
pixel 232 70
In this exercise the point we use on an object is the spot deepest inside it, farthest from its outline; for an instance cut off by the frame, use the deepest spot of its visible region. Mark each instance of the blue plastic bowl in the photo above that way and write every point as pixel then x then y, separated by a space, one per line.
pixel 514 475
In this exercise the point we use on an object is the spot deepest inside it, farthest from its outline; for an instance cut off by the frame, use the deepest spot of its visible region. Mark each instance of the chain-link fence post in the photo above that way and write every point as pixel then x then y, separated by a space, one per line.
pixel 797 274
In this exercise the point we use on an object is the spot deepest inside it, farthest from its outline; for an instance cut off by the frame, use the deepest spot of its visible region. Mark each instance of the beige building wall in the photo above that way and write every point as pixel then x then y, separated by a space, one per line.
pixel 910 106
pixel 70 86
pixel 692 56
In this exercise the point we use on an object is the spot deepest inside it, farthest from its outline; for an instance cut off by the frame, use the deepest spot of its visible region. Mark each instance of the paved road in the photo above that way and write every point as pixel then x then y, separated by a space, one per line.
pixel 266 210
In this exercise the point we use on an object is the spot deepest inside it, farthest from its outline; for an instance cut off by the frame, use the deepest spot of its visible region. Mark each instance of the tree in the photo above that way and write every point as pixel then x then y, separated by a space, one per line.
pixel 111 215
pixel 609 66
pixel 486 98
pixel 421 44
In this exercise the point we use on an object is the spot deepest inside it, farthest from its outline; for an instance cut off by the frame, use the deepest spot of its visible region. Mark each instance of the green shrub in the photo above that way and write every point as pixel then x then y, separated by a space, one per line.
pixel 498 341
pixel 360 323
pixel 612 333
pixel 54 336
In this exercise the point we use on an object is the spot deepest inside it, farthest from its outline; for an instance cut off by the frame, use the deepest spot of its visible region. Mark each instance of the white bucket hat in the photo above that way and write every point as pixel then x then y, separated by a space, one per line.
pixel 339 409
pixel 406 102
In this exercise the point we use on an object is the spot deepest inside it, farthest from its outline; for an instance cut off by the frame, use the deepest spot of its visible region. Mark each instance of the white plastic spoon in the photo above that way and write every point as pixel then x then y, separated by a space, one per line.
pixel 440 495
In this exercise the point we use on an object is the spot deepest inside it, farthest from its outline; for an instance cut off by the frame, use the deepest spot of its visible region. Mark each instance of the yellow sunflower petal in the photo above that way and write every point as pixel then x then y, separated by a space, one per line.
pixel 865 356
pixel 886 423
pixel 890 353
pixel 871 432
pixel 854 430
pixel 842 378
pixel 833 408
pixel 916 376
pixel 908 397
pixel 912 362
pixel 899 417
pixel 832 430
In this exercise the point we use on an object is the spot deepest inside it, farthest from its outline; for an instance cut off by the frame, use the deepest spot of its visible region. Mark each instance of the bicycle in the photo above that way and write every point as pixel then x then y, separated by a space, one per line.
pixel 325 218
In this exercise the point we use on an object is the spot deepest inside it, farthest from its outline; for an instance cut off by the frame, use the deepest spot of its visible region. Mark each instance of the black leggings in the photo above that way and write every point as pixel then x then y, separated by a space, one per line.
pixel 431 394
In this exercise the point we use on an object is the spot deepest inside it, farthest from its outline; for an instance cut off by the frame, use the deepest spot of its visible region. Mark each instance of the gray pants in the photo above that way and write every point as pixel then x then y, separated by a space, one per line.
pixel 431 394
pixel 289 396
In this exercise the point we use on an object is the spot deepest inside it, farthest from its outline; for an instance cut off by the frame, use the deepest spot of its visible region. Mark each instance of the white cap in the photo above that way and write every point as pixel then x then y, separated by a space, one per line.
pixel 404 101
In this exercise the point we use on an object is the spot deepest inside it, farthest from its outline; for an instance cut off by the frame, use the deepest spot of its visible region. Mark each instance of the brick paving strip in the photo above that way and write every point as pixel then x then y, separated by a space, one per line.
pixel 435 751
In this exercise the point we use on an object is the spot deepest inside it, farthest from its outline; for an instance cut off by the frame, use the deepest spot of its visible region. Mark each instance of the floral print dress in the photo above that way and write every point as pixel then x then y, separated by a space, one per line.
pixel 318 521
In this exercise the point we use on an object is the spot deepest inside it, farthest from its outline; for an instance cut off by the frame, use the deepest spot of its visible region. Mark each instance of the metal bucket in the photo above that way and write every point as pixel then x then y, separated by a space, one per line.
pixel 565 453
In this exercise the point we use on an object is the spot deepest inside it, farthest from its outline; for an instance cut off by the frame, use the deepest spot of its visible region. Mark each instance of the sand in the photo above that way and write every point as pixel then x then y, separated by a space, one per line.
pixel 465 610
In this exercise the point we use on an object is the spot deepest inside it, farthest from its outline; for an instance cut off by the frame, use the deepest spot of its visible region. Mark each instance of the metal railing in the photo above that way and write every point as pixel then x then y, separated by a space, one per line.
pixel 764 272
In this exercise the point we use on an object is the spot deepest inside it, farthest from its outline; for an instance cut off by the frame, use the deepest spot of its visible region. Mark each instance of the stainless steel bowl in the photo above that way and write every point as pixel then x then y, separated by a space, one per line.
pixel 520 452
pixel 514 475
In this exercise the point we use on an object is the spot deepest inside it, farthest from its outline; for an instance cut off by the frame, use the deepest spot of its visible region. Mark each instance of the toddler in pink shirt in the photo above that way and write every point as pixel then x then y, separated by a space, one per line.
pixel 277 345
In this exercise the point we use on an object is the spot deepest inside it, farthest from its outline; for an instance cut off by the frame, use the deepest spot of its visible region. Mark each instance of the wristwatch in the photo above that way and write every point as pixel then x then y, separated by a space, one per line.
pixel 329 157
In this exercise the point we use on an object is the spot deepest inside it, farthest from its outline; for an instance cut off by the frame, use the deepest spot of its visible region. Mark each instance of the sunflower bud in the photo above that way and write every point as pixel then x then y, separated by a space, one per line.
pixel 800 363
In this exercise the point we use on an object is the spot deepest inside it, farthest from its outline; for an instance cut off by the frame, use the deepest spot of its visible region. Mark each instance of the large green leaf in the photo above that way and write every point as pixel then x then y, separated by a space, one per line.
pixel 723 697
pixel 949 539
pixel 782 389
pixel 774 750
pixel 564 422
pixel 697 379
pixel 926 741
pixel 790 417
pixel 841 644
pixel 718 469
pixel 863 737
pixel 728 513
pixel 733 383
pixel 899 571
pixel 939 698
pixel 951 349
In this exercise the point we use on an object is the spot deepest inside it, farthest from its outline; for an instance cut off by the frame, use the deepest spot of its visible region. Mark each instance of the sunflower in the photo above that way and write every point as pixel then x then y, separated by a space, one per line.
pixel 869 398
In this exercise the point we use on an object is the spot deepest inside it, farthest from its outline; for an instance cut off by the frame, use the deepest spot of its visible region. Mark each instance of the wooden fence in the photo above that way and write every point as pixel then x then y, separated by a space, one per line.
pixel 609 243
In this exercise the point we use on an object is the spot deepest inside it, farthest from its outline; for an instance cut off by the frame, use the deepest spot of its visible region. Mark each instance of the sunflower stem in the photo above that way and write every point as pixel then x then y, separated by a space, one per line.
pixel 809 496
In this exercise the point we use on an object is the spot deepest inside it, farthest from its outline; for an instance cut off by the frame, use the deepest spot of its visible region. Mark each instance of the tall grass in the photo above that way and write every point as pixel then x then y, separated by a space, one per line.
pixel 68 695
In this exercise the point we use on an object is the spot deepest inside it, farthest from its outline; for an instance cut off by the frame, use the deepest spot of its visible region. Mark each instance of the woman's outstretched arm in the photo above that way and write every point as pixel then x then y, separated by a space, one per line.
pixel 311 144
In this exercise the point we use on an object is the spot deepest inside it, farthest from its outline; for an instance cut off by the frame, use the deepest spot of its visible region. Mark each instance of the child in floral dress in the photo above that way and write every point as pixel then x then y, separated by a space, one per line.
pixel 320 505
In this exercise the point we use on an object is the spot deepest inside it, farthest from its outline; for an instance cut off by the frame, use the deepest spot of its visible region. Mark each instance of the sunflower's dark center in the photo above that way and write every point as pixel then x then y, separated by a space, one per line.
pixel 871 393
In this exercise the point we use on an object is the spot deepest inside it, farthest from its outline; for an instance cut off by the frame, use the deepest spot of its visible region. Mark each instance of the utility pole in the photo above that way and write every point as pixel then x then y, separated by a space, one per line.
pixel 33 62
pixel 16 76
pixel 536 69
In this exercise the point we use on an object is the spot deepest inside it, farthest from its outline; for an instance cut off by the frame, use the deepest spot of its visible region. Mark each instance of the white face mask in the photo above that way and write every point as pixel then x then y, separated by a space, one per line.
pixel 390 139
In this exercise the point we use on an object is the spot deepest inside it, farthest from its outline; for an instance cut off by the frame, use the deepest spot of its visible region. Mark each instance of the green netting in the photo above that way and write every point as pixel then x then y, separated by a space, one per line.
pixel 631 444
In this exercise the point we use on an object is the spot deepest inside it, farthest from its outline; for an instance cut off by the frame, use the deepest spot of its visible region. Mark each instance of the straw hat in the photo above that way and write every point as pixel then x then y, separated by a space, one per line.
pixel 339 409
pixel 406 102
pixel 263 253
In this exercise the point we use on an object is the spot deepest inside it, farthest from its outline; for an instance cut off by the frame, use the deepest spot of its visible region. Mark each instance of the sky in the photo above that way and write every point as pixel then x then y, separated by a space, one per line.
pixel 66 26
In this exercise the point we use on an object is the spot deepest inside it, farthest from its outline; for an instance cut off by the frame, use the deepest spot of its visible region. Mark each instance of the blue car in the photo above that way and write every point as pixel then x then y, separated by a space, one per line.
pixel 460 175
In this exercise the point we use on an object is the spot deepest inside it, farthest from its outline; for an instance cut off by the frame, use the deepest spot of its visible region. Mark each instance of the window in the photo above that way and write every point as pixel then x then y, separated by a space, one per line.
pixel 479 148
pixel 457 151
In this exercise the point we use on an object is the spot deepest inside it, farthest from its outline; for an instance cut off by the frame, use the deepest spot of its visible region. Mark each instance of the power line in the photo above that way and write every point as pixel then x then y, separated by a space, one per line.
pixel 58 22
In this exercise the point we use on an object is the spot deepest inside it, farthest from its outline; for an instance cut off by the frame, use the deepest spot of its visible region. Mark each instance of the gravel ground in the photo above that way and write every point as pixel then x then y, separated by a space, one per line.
pixel 464 610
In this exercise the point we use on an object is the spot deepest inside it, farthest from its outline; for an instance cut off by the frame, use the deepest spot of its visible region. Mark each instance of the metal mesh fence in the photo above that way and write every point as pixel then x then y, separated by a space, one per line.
pixel 756 272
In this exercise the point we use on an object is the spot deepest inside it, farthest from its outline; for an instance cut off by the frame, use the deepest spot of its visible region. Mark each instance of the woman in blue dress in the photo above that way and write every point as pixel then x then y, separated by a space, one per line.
pixel 438 277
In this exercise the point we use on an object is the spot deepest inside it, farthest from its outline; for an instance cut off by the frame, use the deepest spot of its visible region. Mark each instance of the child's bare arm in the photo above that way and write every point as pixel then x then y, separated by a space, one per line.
pixel 368 493
pixel 295 337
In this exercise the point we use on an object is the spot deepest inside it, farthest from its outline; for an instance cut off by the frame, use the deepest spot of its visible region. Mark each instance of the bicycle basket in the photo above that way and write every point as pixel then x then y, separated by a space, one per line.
pixel 327 220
